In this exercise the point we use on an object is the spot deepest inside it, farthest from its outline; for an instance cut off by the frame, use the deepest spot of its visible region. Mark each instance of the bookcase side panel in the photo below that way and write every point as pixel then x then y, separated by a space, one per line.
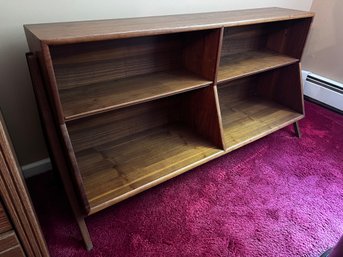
pixel 76 197
pixel 201 111
pixel 291 39
pixel 284 86
pixel 201 52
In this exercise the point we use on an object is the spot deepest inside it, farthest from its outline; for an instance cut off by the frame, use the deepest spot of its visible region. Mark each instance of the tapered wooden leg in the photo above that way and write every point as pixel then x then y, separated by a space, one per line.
pixel 84 232
pixel 297 129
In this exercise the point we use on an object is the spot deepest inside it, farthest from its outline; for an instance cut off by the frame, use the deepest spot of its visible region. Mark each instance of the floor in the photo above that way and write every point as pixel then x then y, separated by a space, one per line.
pixel 279 196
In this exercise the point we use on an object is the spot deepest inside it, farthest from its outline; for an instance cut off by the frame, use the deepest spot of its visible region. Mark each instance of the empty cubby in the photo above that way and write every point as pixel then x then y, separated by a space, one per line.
pixel 257 105
pixel 124 151
pixel 98 76
pixel 251 49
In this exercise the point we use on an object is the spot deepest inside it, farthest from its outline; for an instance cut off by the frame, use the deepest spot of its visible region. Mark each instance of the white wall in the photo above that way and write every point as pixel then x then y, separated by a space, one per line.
pixel 16 96
pixel 324 54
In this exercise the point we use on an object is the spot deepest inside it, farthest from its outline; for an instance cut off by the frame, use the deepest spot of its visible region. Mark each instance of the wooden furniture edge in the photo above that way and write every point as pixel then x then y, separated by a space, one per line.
pixel 15 196
pixel 225 80
pixel 261 135
pixel 131 103
pixel 52 85
pixel 156 182
pixel 55 148
pixel 180 19
pixel 220 119
pixel 215 89
pixel 302 89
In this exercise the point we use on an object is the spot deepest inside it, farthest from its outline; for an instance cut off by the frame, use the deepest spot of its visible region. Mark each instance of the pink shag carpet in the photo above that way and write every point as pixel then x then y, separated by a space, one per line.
pixel 279 196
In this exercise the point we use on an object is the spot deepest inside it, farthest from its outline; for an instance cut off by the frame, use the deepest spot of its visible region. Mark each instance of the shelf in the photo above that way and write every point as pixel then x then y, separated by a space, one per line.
pixel 244 64
pixel 247 120
pixel 117 170
pixel 72 32
pixel 96 98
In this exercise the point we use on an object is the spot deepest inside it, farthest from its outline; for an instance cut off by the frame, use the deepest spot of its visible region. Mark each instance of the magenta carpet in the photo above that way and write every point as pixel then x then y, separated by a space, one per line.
pixel 279 196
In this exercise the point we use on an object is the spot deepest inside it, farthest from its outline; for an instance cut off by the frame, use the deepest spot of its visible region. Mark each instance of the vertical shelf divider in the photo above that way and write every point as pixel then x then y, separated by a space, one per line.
pixel 203 114
pixel 215 88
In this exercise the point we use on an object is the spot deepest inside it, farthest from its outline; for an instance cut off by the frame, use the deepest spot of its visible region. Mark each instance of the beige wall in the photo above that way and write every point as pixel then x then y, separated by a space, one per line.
pixel 324 52
pixel 16 96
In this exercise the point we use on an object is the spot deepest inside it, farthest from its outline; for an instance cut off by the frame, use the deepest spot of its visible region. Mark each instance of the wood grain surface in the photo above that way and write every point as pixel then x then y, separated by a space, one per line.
pixel 250 63
pixel 5 224
pixel 8 240
pixel 258 105
pixel 96 98
pixel 85 31
pixel 16 251
pixel 83 64
pixel 252 118
pixel 143 143
pixel 117 170
pixel 17 200
pixel 76 196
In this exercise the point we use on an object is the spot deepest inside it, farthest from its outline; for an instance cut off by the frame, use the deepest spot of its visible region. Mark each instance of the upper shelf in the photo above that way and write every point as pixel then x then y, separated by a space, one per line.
pixel 95 98
pixel 248 63
pixel 77 32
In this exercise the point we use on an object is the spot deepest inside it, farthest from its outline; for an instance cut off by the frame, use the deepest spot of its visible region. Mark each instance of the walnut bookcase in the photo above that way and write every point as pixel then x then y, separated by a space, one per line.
pixel 127 104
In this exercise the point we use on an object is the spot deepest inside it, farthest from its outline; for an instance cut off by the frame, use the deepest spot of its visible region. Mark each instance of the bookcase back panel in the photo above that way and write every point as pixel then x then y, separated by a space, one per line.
pixel 242 39
pixel 281 85
pixel 82 64
pixel 284 37
pixel 89 63
pixel 237 90
pixel 290 39
pixel 119 124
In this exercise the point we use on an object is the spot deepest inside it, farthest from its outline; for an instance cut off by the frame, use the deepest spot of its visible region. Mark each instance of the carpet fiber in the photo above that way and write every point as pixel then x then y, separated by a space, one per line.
pixel 279 196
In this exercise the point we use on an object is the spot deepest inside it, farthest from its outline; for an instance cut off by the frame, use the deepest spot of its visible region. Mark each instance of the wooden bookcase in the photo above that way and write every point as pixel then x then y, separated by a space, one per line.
pixel 127 104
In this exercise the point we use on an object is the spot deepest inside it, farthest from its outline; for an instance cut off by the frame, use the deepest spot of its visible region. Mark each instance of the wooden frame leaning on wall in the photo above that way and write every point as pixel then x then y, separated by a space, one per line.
pixel 17 201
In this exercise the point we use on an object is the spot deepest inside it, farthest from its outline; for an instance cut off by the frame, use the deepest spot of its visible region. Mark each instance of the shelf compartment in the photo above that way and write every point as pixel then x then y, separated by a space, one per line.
pixel 252 49
pixel 83 101
pixel 252 62
pixel 258 105
pixel 125 151
pixel 101 76
pixel 250 119
pixel 117 170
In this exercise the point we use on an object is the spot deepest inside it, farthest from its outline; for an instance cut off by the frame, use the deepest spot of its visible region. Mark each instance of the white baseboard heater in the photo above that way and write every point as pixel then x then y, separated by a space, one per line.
pixel 323 90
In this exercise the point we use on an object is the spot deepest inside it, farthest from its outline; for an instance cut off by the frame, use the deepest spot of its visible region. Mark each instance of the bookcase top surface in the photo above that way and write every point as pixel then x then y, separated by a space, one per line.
pixel 85 31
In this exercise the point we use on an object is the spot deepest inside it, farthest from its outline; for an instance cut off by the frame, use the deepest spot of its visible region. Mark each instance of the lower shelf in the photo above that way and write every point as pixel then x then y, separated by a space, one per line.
pixel 249 119
pixel 115 171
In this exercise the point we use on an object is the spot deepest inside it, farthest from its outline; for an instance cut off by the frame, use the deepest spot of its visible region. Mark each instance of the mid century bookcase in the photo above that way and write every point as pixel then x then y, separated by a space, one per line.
pixel 130 103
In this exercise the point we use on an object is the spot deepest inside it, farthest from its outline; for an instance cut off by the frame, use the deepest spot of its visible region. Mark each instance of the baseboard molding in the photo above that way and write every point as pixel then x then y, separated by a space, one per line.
pixel 323 104
pixel 36 168
pixel 323 90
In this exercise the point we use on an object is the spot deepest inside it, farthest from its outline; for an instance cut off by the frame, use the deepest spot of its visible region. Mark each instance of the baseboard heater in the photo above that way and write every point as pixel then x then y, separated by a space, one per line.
pixel 323 90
